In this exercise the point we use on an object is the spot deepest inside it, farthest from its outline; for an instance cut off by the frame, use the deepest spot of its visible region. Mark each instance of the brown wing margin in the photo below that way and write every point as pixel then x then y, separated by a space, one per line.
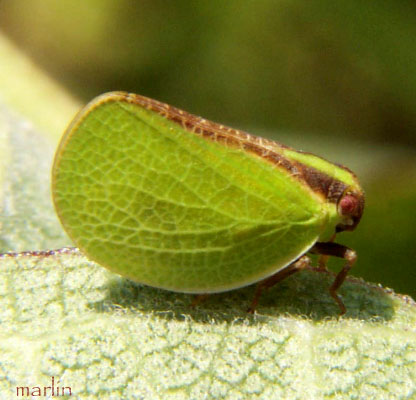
pixel 267 149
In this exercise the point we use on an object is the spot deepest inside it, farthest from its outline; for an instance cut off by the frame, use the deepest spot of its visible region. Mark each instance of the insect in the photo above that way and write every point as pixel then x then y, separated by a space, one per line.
pixel 178 202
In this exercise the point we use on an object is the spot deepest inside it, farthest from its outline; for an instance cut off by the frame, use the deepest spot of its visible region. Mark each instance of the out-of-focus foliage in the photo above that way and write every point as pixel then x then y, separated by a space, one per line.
pixel 386 237
pixel 330 66
pixel 29 91
pixel 325 71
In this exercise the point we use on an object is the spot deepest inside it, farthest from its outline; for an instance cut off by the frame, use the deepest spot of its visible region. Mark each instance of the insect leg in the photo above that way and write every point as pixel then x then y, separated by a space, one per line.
pixel 298 265
pixel 198 299
pixel 323 259
pixel 337 250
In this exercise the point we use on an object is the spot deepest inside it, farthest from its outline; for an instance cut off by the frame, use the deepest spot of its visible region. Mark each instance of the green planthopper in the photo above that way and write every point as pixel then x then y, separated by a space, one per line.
pixel 178 202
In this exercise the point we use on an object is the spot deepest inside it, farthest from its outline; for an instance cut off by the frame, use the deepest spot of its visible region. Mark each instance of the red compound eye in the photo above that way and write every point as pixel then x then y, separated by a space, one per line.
pixel 348 204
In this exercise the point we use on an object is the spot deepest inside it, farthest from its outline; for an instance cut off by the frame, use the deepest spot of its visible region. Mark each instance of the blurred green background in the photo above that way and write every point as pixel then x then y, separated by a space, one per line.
pixel 337 79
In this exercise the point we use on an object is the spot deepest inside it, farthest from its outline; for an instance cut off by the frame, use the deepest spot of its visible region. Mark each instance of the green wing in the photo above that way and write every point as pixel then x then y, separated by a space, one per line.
pixel 150 200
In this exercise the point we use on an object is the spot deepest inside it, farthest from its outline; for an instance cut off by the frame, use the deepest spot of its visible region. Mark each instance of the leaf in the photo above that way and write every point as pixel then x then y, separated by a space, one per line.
pixel 25 88
pixel 106 337
pixel 33 112
pixel 27 218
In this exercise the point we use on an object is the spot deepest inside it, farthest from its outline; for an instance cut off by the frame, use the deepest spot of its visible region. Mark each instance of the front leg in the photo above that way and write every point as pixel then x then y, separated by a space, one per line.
pixel 337 250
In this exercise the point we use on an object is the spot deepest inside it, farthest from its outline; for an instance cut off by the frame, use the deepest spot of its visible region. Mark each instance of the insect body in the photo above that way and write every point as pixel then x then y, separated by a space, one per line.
pixel 177 202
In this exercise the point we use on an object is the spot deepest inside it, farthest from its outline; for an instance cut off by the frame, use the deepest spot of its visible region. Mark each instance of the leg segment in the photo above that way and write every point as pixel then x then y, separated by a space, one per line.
pixel 323 259
pixel 298 265
pixel 198 299
pixel 337 250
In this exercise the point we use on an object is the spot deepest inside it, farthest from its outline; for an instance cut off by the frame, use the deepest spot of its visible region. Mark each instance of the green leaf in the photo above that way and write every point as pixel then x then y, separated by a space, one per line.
pixel 106 337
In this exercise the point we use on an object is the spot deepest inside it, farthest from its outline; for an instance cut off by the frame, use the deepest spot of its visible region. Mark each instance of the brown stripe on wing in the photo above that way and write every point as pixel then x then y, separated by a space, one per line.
pixel 332 189
pixel 199 125
pixel 318 181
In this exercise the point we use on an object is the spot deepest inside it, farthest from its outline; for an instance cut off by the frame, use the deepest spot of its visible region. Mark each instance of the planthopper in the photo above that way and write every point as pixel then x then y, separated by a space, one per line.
pixel 175 201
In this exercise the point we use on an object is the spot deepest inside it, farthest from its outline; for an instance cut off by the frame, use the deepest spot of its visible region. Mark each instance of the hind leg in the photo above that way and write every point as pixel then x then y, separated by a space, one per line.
pixel 298 265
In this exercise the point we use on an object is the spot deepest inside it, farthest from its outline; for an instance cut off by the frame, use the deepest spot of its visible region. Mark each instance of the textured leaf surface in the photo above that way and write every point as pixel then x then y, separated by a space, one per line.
pixel 106 337
pixel 27 218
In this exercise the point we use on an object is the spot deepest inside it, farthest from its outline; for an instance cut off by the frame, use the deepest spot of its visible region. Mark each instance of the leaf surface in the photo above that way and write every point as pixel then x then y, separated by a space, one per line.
pixel 106 337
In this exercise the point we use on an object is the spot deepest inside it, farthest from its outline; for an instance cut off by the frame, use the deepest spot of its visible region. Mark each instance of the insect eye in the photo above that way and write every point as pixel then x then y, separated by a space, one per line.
pixel 348 205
